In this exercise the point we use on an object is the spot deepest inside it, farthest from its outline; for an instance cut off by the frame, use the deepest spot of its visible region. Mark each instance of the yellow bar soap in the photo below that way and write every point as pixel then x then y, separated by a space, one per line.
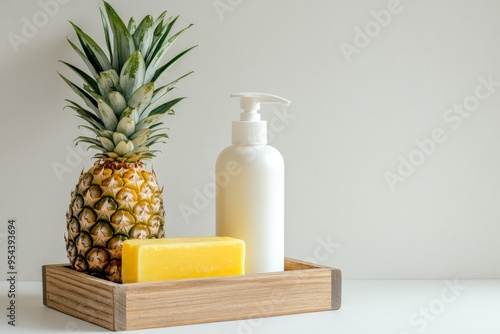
pixel 149 260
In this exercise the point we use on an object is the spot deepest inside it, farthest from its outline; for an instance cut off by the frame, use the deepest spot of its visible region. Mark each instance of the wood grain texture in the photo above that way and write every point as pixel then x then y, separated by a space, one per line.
pixel 79 295
pixel 302 287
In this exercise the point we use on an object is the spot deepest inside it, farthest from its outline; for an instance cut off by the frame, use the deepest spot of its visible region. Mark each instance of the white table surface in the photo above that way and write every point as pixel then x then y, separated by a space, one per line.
pixel 371 307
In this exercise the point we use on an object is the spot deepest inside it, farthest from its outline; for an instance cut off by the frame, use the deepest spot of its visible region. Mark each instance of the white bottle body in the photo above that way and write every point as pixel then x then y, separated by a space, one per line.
pixel 250 203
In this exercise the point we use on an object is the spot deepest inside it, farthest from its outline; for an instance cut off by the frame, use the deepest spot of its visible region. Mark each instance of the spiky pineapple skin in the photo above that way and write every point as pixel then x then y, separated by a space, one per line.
pixel 112 202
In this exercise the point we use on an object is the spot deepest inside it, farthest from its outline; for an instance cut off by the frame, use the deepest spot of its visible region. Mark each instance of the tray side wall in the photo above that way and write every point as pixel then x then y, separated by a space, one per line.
pixel 219 299
pixel 302 287
pixel 78 295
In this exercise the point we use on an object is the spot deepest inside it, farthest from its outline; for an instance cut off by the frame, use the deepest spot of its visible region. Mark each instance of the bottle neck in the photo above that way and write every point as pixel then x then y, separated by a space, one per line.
pixel 249 133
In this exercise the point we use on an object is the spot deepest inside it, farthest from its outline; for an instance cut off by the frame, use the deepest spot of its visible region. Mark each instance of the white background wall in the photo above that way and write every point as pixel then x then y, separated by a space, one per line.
pixel 353 119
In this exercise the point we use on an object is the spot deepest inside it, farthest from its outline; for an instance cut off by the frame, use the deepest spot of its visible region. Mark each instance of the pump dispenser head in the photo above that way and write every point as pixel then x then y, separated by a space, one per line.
pixel 250 129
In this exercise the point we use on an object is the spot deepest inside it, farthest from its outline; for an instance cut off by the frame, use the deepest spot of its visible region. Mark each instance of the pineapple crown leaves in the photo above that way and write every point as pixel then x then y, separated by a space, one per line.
pixel 122 107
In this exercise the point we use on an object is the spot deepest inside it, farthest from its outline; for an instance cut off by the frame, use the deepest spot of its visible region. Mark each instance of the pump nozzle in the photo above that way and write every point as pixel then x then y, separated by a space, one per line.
pixel 250 129
pixel 250 103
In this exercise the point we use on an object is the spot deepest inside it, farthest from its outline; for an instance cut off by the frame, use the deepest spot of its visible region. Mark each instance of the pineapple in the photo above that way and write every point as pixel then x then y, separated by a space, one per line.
pixel 117 198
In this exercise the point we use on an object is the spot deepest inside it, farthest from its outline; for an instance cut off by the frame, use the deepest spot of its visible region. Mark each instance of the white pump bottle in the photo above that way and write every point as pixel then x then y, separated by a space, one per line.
pixel 250 178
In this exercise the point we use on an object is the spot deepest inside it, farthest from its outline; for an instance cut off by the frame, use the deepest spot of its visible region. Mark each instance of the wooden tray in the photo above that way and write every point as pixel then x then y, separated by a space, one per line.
pixel 302 287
